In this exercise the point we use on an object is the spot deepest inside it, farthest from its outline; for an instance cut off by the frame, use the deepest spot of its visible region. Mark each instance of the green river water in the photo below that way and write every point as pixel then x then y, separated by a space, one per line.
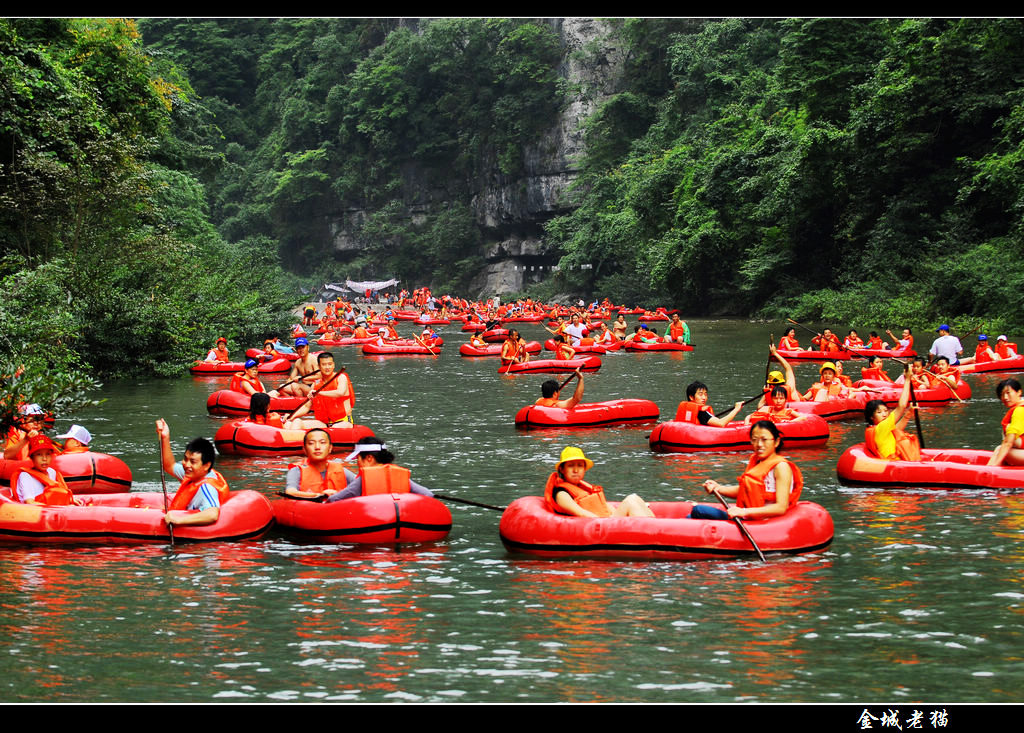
pixel 919 597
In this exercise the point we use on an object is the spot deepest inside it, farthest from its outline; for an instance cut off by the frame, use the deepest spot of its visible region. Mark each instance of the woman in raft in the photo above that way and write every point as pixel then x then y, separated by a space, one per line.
pixel 768 488
pixel 884 436
pixel 776 410
pixel 567 493
pixel 789 342
pixel 378 473
pixel 1011 451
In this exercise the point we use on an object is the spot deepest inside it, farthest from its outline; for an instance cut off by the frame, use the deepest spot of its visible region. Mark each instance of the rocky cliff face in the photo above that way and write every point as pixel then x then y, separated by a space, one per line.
pixel 511 212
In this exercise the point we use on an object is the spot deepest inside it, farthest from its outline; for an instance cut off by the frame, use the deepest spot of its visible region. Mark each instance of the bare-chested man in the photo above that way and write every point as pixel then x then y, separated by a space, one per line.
pixel 304 370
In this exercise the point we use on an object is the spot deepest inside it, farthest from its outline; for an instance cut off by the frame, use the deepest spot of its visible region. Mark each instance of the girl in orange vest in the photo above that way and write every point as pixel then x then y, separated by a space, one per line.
pixel 42 484
pixel 259 411
pixel 874 370
pixel 317 475
pixel 1005 349
pixel 777 411
pixel 377 473
pixel 768 488
pixel 567 493
pixel 1011 450
pixel 789 342
pixel 884 436
pixel 203 490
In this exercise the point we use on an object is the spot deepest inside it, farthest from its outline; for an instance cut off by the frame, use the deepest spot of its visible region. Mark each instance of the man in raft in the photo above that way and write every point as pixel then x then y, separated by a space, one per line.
pixel 42 484
pixel 317 475
pixel 904 342
pixel 677 332
pixel 697 410
pixel 549 391
pixel 247 381
pixel 946 345
pixel 567 493
pixel 1004 348
pixel 302 374
pixel 330 399
pixel 982 353
pixel 826 341
pixel 828 387
pixel 203 490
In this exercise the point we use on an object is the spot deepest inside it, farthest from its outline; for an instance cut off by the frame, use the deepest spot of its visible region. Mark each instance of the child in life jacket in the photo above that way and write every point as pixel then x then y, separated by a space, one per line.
pixel 884 436
pixel 42 484
pixel 567 493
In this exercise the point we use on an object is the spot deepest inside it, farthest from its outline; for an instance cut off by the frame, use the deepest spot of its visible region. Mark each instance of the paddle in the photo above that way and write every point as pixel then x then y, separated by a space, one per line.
pixel 768 364
pixel 744 404
pixel 513 359
pixel 743 528
pixel 913 402
pixel 297 379
pixel 467 501
pixel 320 498
pixel 163 483
pixel 424 345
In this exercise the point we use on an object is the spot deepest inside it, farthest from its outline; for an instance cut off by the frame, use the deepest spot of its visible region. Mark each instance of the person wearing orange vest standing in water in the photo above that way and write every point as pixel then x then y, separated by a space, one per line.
pixel 769 487
pixel 377 473
pixel 567 493
pixel 203 490
pixel 42 484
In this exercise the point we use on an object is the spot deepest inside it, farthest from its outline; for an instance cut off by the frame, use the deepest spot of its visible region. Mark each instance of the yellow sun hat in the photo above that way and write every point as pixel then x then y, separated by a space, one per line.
pixel 827 365
pixel 572 453
pixel 776 377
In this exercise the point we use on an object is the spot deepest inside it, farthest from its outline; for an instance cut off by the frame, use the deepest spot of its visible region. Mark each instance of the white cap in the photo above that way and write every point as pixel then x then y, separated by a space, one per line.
pixel 365 448
pixel 32 409
pixel 78 433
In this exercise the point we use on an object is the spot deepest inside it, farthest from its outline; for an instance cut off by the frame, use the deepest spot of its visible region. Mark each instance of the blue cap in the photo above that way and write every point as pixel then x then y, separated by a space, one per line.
pixel 982 337
pixel 301 342
pixel 249 363
pixel 943 327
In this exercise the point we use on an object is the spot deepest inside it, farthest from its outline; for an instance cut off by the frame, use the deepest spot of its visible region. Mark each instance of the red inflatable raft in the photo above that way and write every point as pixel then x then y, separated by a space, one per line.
pixel 590 415
pixel 552 366
pixel 657 346
pixel 528 526
pixel 128 518
pixel 226 368
pixel 375 519
pixel 235 404
pixel 1014 364
pixel 404 347
pixel 938 469
pixel 580 349
pixel 532 347
pixel 84 473
pixel 243 438
pixel 889 392
pixel 686 437
pixel 839 408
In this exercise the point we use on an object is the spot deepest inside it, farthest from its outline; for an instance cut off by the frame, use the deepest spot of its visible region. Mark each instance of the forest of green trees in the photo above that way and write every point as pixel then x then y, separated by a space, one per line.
pixel 165 181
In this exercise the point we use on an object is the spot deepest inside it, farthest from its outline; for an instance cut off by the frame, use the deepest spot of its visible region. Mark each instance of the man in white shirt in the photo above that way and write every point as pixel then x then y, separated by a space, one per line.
pixel 946 345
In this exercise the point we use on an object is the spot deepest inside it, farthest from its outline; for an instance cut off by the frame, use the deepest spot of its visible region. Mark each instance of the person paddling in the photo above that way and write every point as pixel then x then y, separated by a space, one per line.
pixel 884 436
pixel 550 390
pixel 769 487
pixel 695 408
pixel 378 473
pixel 203 490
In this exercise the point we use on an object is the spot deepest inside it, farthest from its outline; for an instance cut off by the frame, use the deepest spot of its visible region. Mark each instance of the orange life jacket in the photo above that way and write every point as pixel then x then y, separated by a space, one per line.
pixel 588 496
pixel 687 411
pixel 982 354
pixel 330 410
pixel 241 377
pixel 55 491
pixel 271 418
pixel 189 487
pixel 875 342
pixel 774 414
pixel 754 491
pixel 907 447
pixel 385 478
pixel 789 343
pixel 311 480
pixel 562 352
pixel 1003 349
pixel 820 393
pixel 546 401
pixel 874 373
pixel 1018 443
